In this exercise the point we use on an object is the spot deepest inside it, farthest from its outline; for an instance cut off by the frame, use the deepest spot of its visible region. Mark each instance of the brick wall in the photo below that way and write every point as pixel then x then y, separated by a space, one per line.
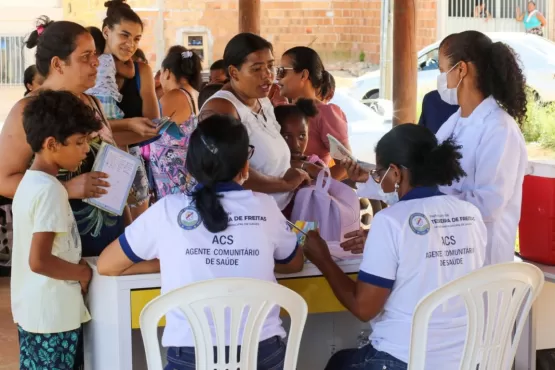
pixel 340 30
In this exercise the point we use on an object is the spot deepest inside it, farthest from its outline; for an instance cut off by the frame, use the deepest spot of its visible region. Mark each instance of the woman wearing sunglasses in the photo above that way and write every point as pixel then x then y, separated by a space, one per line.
pixel 423 241
pixel 249 61
pixel 221 230
pixel 302 75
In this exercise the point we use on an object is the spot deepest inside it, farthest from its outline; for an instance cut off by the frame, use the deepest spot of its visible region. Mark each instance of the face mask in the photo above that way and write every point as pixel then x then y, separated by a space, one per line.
pixel 389 198
pixel 447 95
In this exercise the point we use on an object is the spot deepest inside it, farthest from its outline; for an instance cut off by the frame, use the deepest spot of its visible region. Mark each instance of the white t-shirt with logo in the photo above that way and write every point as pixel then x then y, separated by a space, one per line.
pixel 414 247
pixel 172 231
pixel 41 304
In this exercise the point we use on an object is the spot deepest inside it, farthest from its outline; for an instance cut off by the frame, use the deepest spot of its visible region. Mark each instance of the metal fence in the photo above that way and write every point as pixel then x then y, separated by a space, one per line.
pixel 489 15
pixel 12 60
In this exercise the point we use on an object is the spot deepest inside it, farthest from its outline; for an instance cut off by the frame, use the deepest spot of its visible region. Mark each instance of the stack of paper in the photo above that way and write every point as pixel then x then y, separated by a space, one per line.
pixel 339 152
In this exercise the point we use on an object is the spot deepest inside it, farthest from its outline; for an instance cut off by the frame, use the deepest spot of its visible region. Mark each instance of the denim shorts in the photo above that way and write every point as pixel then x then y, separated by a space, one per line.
pixel 271 354
pixel 365 358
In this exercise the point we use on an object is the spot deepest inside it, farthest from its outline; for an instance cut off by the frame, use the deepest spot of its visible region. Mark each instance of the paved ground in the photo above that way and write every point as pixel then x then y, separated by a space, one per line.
pixel 9 349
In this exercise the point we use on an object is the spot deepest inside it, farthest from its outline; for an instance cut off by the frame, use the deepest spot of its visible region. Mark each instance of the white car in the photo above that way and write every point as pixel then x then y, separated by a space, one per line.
pixel 536 54
pixel 365 126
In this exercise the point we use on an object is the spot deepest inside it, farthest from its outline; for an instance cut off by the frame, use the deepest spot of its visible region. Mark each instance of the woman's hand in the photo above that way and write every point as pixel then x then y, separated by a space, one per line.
pixel 316 249
pixel 87 185
pixel 142 126
pixel 356 242
pixel 354 171
pixel 294 177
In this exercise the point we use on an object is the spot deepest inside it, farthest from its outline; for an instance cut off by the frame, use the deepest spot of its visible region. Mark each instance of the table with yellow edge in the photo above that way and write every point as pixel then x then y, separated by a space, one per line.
pixel 115 304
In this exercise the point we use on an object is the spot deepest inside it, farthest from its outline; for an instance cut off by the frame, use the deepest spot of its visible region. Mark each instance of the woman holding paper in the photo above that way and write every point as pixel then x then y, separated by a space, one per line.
pixel 486 81
pixel 66 56
pixel 249 60
pixel 181 80
pixel 302 75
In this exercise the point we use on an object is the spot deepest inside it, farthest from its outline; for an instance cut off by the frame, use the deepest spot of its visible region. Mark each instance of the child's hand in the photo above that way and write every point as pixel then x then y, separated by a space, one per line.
pixel 87 185
pixel 295 177
pixel 87 279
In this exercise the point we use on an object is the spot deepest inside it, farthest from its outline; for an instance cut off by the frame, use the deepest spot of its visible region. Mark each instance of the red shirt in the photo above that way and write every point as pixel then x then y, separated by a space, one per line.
pixel 330 120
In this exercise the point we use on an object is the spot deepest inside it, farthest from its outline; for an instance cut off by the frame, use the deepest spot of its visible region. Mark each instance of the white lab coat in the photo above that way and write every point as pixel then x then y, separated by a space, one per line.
pixel 495 161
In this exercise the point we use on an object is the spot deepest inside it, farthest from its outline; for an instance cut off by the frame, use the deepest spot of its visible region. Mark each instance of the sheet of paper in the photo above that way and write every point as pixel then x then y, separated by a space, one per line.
pixel 340 152
pixel 121 168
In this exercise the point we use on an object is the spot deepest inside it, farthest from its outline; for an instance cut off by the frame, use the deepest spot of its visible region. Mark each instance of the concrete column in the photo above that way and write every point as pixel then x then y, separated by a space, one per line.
pixel 249 16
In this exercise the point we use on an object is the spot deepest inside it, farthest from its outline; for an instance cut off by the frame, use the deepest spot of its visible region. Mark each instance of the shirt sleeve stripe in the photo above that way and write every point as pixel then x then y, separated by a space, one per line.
pixel 375 280
pixel 127 249
pixel 290 258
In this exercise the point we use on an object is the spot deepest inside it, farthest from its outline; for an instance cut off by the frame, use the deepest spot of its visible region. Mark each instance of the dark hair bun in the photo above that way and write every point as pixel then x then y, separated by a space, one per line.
pixel 307 107
pixel 33 39
pixel 113 4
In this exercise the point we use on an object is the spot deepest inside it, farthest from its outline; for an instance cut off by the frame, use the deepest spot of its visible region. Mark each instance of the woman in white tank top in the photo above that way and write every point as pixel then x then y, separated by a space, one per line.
pixel 249 63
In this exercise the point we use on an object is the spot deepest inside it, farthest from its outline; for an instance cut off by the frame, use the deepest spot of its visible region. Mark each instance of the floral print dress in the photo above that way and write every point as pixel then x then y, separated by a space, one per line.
pixel 167 159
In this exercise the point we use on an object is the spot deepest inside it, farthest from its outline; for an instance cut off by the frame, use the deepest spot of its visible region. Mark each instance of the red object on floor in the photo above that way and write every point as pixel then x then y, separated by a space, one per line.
pixel 537 221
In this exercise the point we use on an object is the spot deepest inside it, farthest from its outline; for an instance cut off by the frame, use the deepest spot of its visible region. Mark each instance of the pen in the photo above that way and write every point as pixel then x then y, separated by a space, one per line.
pixel 302 232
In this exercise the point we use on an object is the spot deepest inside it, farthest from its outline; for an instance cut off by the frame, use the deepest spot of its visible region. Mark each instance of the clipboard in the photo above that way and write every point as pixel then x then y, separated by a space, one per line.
pixel 121 168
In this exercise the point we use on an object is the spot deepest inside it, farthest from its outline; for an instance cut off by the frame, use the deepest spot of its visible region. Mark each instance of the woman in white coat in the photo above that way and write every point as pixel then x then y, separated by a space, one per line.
pixel 486 81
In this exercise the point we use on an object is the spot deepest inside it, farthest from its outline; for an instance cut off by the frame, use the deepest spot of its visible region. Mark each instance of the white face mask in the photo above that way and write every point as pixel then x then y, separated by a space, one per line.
pixel 447 95
pixel 389 198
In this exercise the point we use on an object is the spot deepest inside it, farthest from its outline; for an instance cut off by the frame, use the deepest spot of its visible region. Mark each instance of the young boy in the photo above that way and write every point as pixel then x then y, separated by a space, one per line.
pixel 48 274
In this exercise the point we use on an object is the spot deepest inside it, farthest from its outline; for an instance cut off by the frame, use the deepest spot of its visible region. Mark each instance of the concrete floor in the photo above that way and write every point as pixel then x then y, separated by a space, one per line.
pixel 9 346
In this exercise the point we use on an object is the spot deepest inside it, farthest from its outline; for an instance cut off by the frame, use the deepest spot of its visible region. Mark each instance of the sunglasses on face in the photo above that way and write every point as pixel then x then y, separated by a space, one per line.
pixel 281 71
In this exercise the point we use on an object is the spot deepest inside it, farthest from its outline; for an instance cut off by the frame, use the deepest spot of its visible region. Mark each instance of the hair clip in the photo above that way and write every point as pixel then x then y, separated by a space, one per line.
pixel 210 146
pixel 40 29
pixel 187 54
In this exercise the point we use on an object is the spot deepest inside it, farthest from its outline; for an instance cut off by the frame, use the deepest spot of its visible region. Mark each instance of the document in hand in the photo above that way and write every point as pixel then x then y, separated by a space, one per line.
pixel 339 152
pixel 121 168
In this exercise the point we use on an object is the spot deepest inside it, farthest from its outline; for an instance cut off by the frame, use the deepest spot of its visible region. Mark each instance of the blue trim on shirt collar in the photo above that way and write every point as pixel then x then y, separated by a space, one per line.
pixel 422 192
pixel 126 248
pixel 223 187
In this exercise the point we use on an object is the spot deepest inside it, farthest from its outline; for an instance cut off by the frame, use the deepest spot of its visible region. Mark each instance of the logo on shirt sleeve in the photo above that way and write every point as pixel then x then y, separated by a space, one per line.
pixel 419 224
pixel 189 218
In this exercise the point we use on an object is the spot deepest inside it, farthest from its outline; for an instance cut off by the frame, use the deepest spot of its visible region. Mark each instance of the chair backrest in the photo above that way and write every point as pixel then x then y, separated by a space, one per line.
pixel 225 298
pixel 494 297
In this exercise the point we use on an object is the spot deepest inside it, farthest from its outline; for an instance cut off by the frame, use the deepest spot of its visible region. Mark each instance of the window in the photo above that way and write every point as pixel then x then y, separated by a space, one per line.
pixel 198 44
pixel 429 61
pixel 12 60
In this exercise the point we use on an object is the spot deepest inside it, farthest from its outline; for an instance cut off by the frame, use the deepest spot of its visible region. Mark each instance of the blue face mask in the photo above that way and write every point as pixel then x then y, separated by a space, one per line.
pixel 389 198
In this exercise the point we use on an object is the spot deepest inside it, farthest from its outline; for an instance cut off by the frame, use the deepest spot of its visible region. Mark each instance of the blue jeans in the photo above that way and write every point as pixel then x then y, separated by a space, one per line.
pixel 365 358
pixel 271 354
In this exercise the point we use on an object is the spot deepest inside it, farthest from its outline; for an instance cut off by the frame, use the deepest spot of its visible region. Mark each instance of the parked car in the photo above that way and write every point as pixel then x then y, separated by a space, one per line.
pixel 537 56
pixel 366 126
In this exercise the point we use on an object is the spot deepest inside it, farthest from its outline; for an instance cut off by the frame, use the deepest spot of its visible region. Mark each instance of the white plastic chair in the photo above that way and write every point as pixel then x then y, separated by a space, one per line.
pixel 491 336
pixel 216 295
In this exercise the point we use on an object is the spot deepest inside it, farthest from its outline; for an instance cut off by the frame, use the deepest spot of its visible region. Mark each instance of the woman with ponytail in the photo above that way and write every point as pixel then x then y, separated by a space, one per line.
pixel 485 79
pixel 425 239
pixel 181 80
pixel 220 230
pixel 302 75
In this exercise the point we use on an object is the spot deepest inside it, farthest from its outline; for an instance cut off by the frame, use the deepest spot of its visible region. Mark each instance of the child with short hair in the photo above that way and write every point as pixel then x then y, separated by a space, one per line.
pixel 48 274
pixel 293 119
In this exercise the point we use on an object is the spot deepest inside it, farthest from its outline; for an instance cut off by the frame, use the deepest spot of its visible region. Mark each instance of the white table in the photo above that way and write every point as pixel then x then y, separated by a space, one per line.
pixel 116 302
pixel 526 353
